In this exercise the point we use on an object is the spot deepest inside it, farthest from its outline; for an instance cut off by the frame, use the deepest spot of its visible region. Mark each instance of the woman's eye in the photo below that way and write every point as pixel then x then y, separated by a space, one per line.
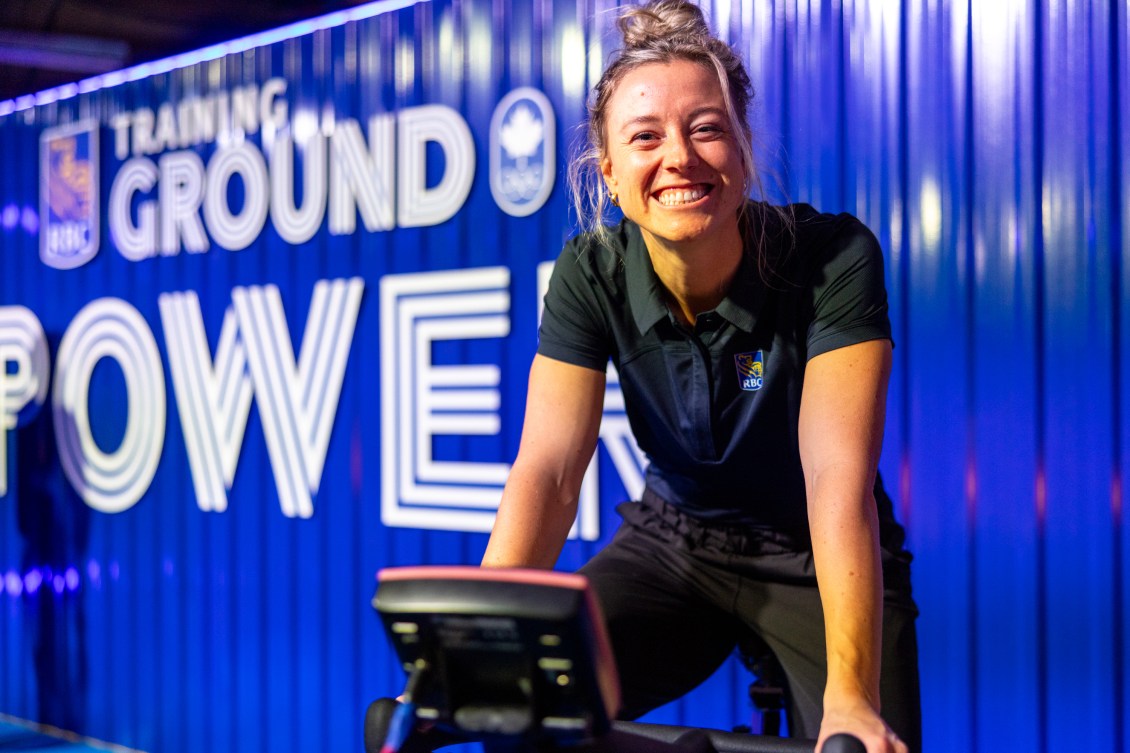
pixel 644 137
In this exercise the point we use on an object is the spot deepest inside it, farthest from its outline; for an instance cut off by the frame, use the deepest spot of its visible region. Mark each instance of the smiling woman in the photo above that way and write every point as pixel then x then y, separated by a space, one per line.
pixel 673 165
pixel 753 348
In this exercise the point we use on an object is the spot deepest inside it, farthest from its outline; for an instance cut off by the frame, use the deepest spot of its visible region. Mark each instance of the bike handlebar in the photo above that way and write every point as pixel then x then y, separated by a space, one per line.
pixel 843 743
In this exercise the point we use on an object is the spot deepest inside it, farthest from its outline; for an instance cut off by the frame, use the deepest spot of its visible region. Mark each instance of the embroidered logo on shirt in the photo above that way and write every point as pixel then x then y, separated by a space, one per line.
pixel 751 370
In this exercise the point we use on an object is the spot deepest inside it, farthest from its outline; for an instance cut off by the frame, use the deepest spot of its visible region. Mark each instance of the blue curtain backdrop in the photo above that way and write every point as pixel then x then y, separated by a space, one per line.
pixel 982 141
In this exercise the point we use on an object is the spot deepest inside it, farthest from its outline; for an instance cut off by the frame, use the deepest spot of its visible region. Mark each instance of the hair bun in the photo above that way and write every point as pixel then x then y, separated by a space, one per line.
pixel 661 20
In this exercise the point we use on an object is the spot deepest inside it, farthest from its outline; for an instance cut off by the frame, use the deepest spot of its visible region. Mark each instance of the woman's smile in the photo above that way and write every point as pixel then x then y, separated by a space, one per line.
pixel 673 197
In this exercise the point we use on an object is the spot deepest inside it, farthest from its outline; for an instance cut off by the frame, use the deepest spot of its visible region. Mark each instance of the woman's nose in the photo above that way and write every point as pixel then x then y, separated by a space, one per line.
pixel 679 152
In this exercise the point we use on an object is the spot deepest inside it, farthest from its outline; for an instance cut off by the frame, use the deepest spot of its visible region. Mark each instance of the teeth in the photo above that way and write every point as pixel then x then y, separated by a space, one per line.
pixel 680 196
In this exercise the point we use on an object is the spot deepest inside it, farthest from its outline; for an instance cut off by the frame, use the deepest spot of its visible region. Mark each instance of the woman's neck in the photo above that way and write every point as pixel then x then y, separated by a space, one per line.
pixel 696 277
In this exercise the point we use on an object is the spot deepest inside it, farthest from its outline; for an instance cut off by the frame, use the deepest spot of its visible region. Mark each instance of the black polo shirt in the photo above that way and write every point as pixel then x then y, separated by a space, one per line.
pixel 716 409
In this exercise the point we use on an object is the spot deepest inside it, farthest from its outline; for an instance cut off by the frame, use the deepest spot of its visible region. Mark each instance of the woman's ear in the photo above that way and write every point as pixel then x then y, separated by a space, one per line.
pixel 606 173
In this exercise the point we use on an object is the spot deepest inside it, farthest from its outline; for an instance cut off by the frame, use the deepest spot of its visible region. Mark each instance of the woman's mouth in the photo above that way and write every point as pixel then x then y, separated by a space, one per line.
pixel 673 197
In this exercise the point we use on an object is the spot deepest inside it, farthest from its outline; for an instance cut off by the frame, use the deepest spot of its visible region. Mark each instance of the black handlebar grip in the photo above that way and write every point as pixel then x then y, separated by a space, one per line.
pixel 843 743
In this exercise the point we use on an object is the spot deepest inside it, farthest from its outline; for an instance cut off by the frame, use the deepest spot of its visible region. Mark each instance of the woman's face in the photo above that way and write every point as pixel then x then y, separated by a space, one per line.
pixel 671 157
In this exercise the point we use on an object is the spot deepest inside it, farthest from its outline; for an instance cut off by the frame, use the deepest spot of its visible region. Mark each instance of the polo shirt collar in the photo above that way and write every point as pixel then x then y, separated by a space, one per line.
pixel 746 294
pixel 645 291
pixel 646 297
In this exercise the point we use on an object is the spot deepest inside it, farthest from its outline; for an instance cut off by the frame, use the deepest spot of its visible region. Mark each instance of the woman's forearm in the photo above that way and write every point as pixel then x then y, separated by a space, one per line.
pixel 849 574
pixel 539 503
pixel 533 521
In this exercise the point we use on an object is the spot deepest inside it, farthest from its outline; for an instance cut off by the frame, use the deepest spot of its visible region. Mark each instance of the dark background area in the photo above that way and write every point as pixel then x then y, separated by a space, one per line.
pixel 46 43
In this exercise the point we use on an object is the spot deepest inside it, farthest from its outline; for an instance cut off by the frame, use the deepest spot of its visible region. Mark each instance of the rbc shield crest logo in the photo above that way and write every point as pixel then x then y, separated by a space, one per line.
pixel 68 195
pixel 522 152
pixel 751 370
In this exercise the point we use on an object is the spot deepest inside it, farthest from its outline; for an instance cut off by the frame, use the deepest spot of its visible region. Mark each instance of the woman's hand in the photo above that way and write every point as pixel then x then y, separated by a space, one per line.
pixel 859 719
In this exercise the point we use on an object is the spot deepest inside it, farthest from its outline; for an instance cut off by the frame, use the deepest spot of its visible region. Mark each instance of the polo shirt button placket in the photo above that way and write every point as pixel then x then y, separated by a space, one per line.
pixel 700 397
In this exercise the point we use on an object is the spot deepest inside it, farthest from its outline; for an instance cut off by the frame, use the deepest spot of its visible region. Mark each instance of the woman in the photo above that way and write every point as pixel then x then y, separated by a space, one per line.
pixel 753 347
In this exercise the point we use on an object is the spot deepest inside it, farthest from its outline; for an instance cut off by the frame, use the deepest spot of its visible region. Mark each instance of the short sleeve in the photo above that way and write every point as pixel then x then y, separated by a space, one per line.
pixel 849 295
pixel 573 326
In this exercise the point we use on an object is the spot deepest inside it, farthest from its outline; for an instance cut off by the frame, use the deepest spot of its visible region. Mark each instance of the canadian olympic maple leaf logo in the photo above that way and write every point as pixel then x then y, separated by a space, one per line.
pixel 521 135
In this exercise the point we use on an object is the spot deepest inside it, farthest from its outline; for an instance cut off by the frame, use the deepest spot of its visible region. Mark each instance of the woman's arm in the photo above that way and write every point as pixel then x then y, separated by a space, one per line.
pixel 843 409
pixel 539 503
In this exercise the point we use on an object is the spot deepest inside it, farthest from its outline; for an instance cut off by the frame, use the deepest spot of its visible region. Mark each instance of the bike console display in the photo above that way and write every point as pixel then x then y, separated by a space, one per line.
pixel 494 652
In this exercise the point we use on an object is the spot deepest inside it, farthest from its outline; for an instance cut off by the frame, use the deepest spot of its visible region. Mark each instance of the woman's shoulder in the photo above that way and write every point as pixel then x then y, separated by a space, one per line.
pixel 600 252
pixel 804 235
pixel 811 224
pixel 803 246
pixel 814 227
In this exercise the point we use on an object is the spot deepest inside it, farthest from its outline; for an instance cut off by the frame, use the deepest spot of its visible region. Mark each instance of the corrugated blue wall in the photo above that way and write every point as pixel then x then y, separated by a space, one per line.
pixel 982 141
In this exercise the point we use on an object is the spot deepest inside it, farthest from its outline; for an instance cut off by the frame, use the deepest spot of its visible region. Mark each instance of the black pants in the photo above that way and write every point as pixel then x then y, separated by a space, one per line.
pixel 679 596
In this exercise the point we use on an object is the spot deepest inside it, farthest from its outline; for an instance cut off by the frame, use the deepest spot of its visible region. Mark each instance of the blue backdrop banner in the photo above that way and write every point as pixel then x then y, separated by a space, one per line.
pixel 267 311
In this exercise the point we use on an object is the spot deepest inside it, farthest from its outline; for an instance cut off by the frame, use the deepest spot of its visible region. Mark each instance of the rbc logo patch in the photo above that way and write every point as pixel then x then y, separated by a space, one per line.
pixel 68 195
pixel 751 370
pixel 522 152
